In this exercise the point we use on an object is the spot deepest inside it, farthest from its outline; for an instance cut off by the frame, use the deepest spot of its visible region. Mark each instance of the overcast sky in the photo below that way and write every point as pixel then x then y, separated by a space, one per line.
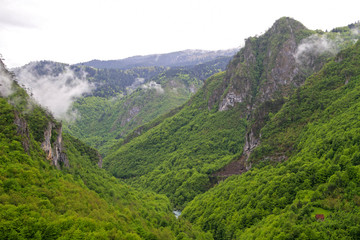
pixel 73 31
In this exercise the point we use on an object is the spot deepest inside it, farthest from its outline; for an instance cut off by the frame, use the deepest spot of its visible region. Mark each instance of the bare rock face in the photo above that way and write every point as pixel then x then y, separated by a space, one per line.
pixel 22 130
pixel 266 67
pixel 230 99
pixel 54 150
pixel 261 75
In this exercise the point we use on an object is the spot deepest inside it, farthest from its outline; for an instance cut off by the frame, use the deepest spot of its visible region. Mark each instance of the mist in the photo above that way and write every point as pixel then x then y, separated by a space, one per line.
pixel 5 81
pixel 56 92
pixel 328 44
pixel 153 85
pixel 316 45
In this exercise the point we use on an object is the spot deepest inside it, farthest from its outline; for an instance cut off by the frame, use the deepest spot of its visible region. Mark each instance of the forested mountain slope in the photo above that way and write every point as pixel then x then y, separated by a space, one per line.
pixel 51 186
pixel 318 132
pixel 184 154
pixel 177 156
pixel 100 106
pixel 103 121
pixel 173 59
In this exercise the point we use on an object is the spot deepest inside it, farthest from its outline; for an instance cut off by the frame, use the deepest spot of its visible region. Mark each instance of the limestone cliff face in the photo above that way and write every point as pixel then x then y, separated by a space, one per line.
pixel 22 129
pixel 54 149
pixel 262 74
pixel 266 68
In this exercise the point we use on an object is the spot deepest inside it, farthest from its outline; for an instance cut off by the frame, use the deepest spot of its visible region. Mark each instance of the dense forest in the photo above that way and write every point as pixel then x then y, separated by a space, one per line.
pixel 317 133
pixel 265 146
pixel 116 100
pixel 180 155
pixel 74 199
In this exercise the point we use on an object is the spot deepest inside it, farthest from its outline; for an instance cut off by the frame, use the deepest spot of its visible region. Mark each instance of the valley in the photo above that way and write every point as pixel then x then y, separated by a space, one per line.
pixel 260 142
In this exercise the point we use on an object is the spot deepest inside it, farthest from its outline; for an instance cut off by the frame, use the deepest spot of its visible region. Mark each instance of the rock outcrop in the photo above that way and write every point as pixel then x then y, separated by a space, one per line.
pixel 22 129
pixel 53 146
pixel 261 75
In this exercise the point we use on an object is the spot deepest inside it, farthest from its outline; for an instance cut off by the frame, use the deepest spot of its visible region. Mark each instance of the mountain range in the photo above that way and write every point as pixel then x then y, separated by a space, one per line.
pixel 173 59
pixel 264 146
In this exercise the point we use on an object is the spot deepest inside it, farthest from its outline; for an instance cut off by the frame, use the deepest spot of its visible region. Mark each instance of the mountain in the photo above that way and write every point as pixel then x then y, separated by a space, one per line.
pixel 52 185
pixel 173 59
pixel 215 132
pixel 209 131
pixel 314 194
pixel 267 149
pixel 101 106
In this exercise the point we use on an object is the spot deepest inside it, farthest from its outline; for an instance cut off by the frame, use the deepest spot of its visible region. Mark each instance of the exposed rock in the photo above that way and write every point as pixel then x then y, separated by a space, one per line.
pixel 251 142
pixel 22 130
pixel 234 168
pixel 54 150
pixel 230 100
pixel 261 75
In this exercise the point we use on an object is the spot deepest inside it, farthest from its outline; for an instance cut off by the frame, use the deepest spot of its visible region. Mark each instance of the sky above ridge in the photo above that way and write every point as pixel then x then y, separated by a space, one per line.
pixel 73 31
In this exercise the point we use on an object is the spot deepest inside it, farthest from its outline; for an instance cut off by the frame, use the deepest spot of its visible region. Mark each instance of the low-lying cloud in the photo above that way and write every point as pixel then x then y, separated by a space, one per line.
pixel 326 44
pixel 5 82
pixel 57 92
pixel 315 45
pixel 153 85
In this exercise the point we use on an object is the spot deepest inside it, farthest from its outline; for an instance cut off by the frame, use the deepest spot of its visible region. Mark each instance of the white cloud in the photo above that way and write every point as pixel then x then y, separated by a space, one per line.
pixel 153 85
pixel 316 45
pixel 5 82
pixel 57 92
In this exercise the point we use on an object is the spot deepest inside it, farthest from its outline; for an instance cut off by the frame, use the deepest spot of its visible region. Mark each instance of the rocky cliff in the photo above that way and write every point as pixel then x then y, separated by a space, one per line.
pixel 53 146
pixel 261 75
pixel 22 129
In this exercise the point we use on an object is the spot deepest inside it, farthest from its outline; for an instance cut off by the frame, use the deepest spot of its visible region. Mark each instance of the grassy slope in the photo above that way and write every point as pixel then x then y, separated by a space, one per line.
pixel 318 129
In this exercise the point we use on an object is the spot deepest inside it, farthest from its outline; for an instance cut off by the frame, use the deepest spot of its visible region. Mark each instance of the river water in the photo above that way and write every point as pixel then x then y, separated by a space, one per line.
pixel 177 213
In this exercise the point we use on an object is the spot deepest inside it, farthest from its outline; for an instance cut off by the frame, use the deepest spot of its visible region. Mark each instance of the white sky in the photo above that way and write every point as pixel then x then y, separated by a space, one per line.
pixel 73 31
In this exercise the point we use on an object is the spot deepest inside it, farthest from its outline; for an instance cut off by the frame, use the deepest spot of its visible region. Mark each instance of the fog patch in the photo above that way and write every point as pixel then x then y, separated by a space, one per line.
pixel 326 45
pixel 5 82
pixel 153 85
pixel 137 83
pixel 314 46
pixel 56 92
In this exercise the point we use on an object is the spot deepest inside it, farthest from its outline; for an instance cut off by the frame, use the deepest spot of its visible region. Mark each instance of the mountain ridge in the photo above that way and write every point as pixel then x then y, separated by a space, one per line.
pixel 172 59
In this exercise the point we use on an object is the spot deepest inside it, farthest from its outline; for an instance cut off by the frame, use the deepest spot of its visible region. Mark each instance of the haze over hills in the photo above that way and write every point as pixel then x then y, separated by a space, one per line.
pixel 264 146
pixel 101 106
pixel 173 59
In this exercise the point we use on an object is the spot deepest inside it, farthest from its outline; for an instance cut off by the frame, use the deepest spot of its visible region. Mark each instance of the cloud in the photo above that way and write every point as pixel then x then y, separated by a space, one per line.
pixel 328 44
pixel 57 91
pixel 315 45
pixel 153 85
pixel 355 31
pixel 5 81
pixel 137 83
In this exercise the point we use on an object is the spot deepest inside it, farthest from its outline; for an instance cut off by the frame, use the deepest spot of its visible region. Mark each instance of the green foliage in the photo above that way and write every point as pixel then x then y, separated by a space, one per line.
pixel 106 118
pixel 38 201
pixel 318 130
pixel 176 156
